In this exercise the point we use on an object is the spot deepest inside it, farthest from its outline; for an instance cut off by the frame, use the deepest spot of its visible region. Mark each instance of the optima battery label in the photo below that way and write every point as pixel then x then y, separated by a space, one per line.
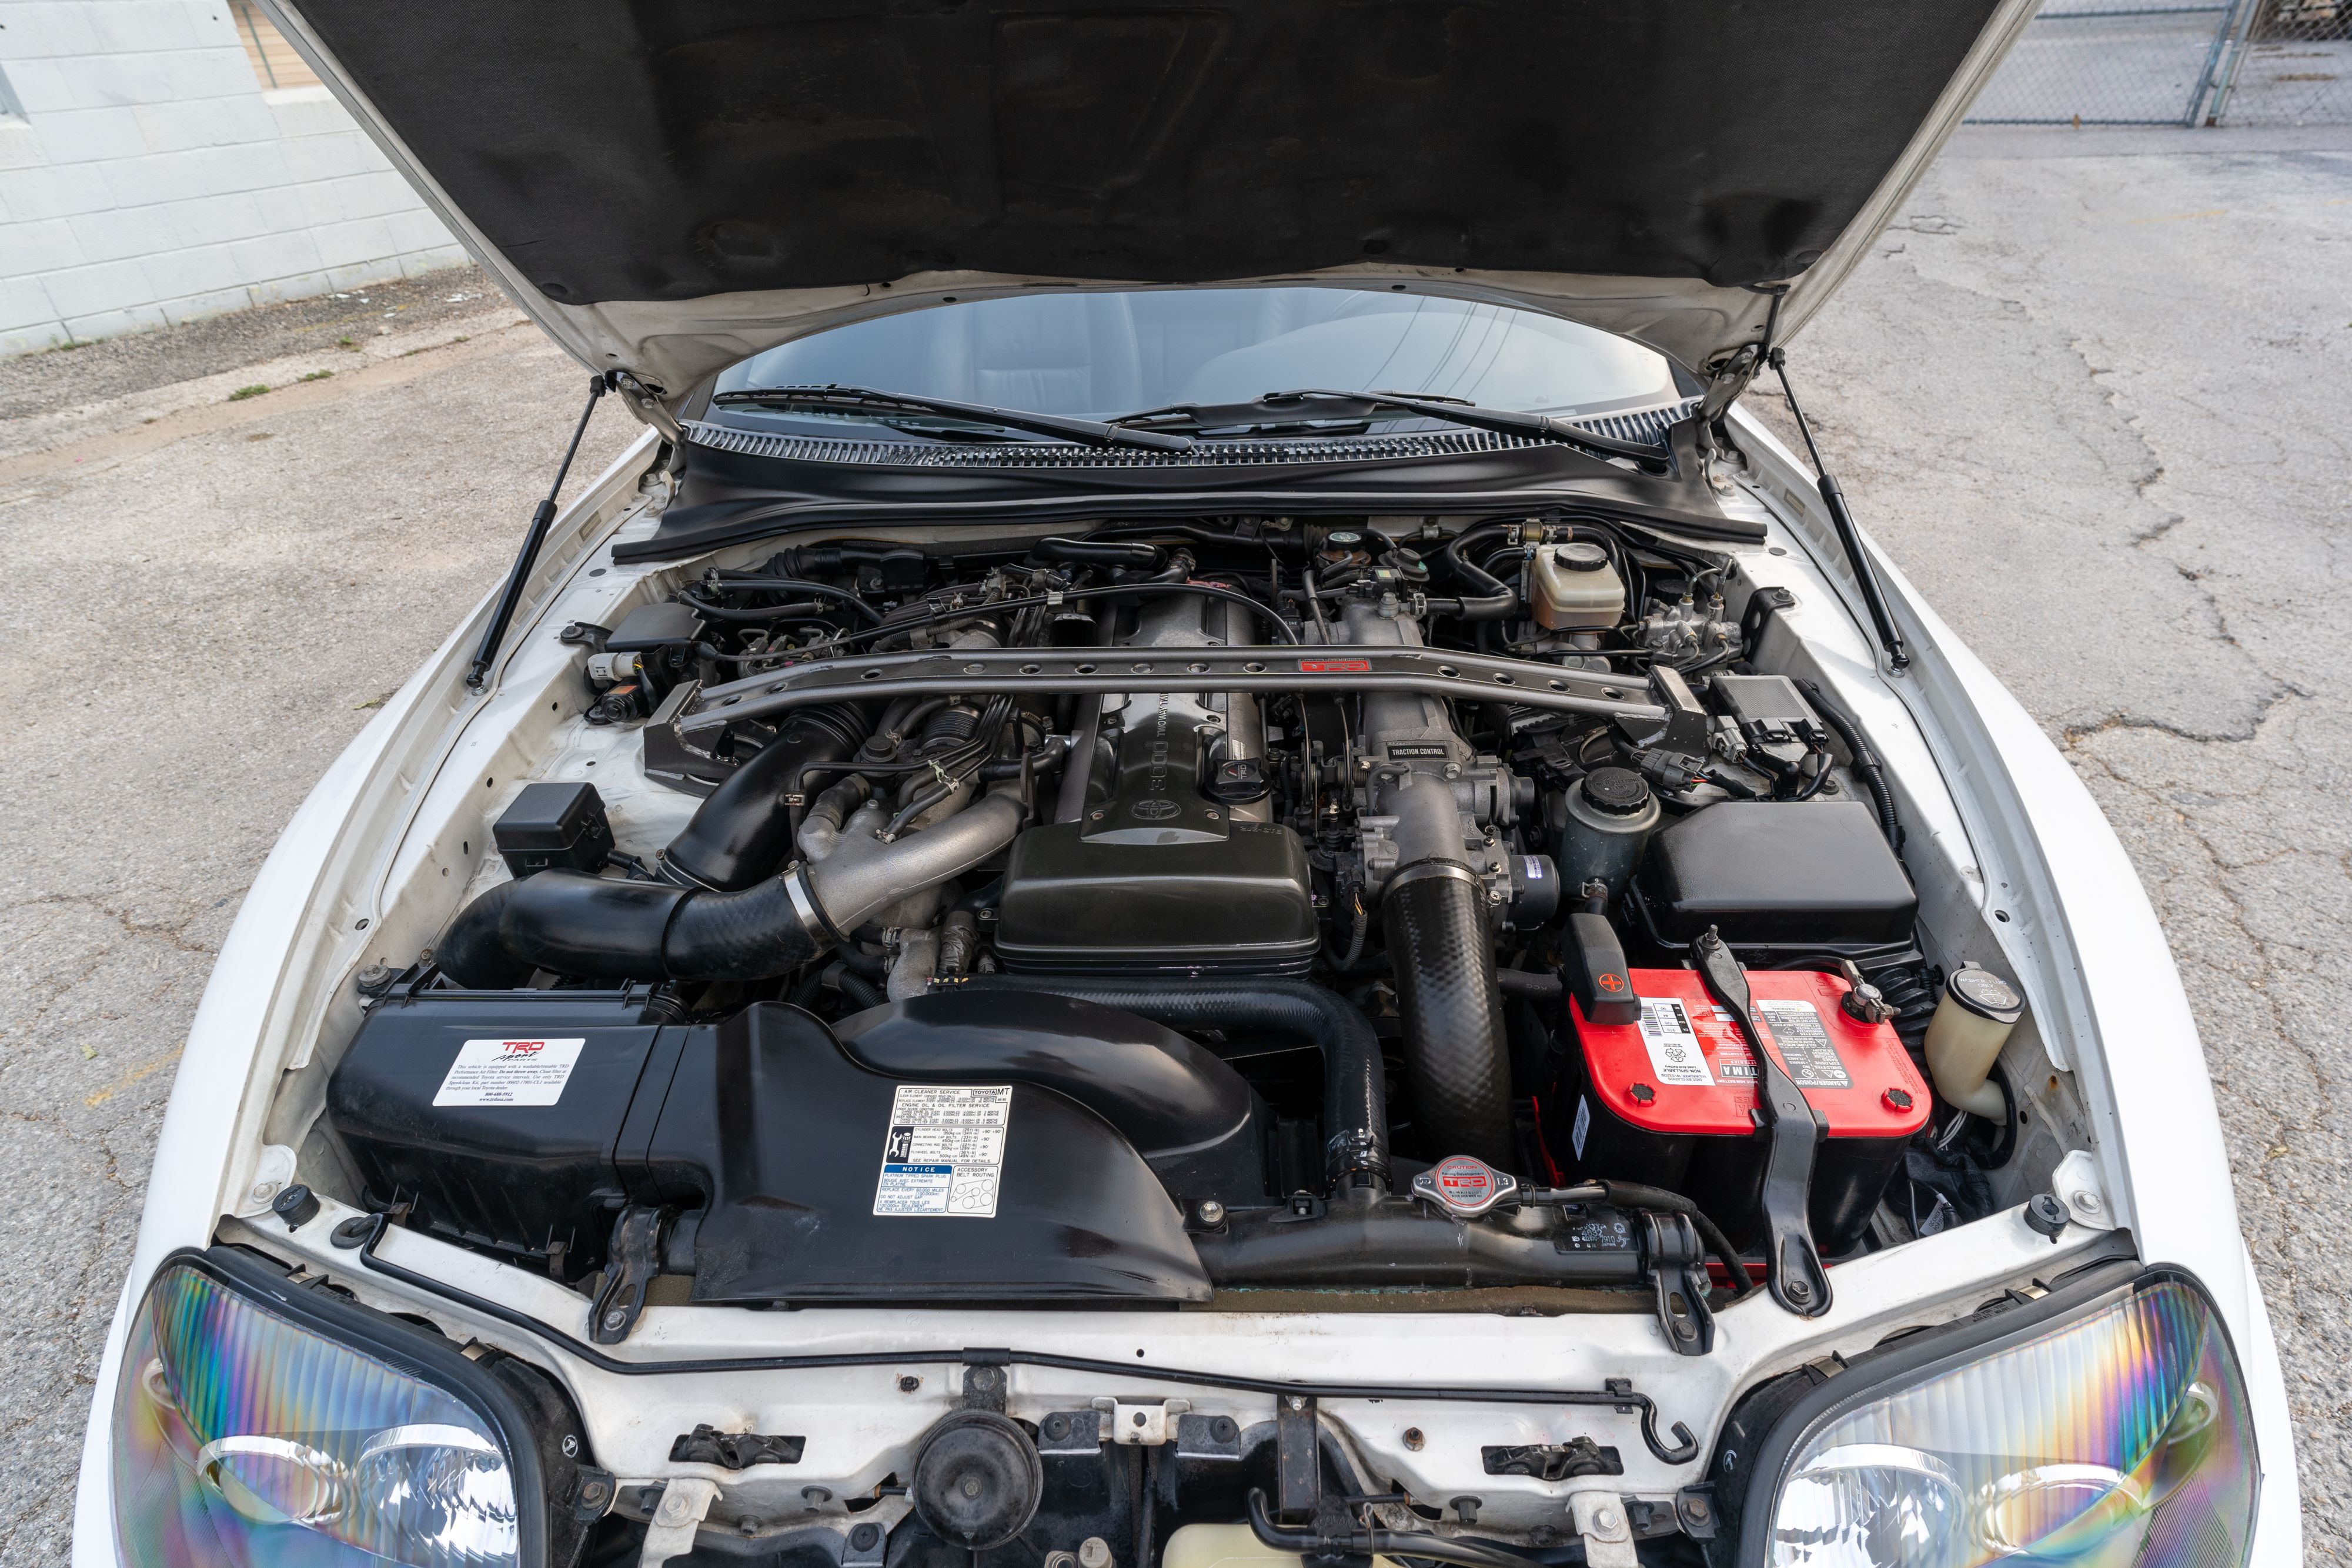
pixel 1674 1053
pixel 1804 1044
pixel 945 1151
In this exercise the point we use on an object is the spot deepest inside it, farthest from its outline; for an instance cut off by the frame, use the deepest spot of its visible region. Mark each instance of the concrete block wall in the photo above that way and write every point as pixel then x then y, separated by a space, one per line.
pixel 147 178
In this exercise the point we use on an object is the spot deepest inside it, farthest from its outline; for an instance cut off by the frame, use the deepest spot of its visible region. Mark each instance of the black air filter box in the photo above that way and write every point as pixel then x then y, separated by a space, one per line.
pixel 1785 874
pixel 959 1150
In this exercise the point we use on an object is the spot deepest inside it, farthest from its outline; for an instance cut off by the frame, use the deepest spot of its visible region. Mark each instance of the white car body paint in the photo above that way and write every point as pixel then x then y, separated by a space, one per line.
pixel 2016 830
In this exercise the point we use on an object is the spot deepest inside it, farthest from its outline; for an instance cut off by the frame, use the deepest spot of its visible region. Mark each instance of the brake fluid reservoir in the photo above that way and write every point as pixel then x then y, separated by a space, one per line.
pixel 1573 588
pixel 1972 1022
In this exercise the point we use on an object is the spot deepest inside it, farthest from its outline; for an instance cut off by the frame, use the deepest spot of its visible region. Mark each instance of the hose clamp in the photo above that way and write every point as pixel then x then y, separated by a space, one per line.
pixel 812 918
pixel 1430 870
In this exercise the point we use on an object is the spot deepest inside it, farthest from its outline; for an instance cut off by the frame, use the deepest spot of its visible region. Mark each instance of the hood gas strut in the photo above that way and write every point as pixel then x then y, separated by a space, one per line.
pixel 1898 655
pixel 534 536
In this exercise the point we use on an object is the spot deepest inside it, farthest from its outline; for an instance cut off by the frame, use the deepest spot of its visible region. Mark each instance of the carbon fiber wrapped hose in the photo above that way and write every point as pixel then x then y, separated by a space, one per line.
pixel 1455 1056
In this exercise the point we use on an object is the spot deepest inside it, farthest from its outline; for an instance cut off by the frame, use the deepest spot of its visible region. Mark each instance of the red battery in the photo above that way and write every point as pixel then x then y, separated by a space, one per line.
pixel 1669 1101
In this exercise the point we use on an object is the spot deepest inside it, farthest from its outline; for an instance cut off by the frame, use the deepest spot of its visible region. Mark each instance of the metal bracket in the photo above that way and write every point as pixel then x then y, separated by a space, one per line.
pixel 2077 1183
pixel 1677 1265
pixel 1140 1426
pixel 685 1502
pixel 1600 1517
pixel 1068 1434
pixel 983 1388
pixel 1793 1131
pixel 1297 1458
pixel 629 1273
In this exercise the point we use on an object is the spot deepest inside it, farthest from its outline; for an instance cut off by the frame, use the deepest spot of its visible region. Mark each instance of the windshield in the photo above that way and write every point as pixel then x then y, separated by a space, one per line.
pixel 1099 356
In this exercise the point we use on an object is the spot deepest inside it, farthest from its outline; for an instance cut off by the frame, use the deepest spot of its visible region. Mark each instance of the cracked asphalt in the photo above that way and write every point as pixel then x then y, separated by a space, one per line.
pixel 2088 392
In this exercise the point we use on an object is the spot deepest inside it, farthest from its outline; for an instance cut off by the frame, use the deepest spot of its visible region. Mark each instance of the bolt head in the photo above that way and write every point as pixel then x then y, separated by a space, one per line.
pixel 1604 1518
pixel 909 1383
pixel 1212 1212
pixel 614 1319
pixel 1414 1438
pixel 2088 1202
pixel 1799 1290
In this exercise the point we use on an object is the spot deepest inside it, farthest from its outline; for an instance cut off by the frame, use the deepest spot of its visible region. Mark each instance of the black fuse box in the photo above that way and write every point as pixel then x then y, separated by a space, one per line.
pixel 1800 876
pixel 561 826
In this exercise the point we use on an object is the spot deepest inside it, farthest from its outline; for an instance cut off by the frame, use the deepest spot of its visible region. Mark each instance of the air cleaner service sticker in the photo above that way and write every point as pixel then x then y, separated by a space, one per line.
pixel 945 1151
pixel 510 1073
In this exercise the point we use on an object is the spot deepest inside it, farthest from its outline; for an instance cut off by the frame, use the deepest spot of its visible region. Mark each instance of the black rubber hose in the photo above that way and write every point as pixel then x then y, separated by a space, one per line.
pixel 1313 1544
pixel 1101 552
pixel 1455 1056
pixel 747 935
pixel 472 951
pixel 1865 761
pixel 856 989
pixel 1474 577
pixel 599 927
pixel 776 585
pixel 1355 1096
pixel 743 833
pixel 1633 1195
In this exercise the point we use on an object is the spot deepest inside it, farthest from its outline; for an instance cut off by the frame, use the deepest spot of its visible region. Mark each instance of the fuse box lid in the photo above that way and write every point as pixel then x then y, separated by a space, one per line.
pixel 1685 1069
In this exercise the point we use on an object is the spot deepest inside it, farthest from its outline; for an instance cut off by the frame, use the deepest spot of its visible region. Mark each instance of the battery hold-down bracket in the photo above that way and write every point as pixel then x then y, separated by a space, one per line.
pixel 1792 1129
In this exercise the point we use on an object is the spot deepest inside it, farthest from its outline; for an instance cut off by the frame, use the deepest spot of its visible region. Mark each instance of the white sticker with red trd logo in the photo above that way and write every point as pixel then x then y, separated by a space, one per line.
pixel 510 1073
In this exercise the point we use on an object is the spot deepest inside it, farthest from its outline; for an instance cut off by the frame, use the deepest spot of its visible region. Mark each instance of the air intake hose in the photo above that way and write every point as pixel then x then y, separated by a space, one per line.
pixel 1456 1055
pixel 743 833
pixel 604 928
pixel 1355 1099
pixel 1434 908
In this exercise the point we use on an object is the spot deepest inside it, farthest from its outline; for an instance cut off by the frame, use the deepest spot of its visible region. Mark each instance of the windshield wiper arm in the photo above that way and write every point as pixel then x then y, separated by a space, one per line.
pixel 1502 420
pixel 1089 432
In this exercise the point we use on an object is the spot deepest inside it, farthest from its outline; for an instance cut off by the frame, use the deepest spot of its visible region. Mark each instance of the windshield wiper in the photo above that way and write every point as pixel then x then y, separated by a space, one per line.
pixel 1450 410
pixel 1089 432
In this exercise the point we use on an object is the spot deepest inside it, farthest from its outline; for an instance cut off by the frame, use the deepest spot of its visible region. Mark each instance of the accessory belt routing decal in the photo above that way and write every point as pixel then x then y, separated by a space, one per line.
pixel 945 1151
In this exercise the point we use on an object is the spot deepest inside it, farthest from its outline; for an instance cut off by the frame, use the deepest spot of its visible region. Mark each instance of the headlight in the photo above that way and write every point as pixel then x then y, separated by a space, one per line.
pixel 2104 1427
pixel 258 1424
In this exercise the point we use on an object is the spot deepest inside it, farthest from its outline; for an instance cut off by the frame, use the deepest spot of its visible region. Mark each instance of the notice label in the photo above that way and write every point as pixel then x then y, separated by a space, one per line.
pixel 945 1151
pixel 510 1073
pixel 1674 1053
pixel 1584 1127
pixel 1805 1044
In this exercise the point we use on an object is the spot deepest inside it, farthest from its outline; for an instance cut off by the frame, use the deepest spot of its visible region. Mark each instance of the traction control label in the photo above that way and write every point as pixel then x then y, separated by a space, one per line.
pixel 945 1151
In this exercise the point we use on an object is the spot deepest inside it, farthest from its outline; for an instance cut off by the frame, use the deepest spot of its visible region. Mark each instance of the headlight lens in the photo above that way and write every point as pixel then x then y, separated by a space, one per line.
pixel 244 1437
pixel 2119 1437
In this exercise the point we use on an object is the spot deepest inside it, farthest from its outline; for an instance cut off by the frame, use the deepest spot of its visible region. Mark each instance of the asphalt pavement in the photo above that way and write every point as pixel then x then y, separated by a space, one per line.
pixel 2088 392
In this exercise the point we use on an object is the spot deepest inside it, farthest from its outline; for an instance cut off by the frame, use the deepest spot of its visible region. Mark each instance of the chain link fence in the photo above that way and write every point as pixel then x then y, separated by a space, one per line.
pixel 2179 62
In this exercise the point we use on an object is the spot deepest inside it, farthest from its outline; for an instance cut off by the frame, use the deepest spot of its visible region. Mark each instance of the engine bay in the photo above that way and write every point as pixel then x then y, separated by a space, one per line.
pixel 1096 934
pixel 1216 911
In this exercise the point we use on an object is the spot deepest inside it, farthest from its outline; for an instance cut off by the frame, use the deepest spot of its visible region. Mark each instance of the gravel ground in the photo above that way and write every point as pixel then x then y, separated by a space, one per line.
pixel 114 367
pixel 2087 390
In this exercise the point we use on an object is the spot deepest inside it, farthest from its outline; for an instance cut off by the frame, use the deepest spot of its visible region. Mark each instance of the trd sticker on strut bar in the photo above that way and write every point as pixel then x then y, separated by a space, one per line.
pixel 945 1151
pixel 1674 1053
pixel 1804 1044
pixel 1336 666
pixel 510 1073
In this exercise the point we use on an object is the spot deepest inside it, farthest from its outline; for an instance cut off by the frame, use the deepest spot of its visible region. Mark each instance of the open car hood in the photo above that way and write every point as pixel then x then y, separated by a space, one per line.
pixel 670 187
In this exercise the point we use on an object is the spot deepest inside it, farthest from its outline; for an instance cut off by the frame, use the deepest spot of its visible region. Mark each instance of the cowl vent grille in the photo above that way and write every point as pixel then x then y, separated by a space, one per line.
pixel 1648 425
